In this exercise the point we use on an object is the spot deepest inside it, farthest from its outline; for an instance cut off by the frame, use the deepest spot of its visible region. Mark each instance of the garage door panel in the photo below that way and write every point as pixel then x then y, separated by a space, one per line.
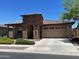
pixel 53 33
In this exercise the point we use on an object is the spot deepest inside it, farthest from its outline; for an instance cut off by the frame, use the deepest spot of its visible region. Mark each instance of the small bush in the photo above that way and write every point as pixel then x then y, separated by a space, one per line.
pixel 25 42
pixel 75 40
pixel 5 40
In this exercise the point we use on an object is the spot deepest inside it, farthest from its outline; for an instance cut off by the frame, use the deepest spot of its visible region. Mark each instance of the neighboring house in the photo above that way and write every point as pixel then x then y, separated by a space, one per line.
pixel 35 27
pixel 76 32
pixel 3 31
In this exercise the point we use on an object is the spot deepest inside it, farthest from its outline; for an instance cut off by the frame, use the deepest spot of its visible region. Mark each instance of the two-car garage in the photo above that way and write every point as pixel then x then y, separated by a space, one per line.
pixel 53 31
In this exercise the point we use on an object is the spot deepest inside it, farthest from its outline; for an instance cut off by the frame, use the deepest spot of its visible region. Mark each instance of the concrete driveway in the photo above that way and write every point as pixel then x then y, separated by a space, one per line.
pixel 54 45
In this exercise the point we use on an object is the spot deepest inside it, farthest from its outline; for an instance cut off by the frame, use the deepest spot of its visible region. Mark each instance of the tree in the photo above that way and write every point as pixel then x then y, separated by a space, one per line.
pixel 66 16
pixel 71 8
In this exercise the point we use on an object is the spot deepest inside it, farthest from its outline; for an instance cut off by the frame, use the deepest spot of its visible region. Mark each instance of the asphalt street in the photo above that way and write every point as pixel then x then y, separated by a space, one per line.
pixel 10 55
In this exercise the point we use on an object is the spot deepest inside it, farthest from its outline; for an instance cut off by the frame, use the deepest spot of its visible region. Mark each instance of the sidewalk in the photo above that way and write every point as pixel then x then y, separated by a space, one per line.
pixel 13 45
pixel 41 52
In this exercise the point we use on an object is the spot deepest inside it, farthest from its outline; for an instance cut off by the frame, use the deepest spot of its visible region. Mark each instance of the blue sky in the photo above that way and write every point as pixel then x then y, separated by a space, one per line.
pixel 10 10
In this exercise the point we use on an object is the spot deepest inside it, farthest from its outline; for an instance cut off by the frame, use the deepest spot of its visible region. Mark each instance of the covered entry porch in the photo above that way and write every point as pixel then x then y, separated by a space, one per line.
pixel 31 31
pixel 16 31
pixel 19 30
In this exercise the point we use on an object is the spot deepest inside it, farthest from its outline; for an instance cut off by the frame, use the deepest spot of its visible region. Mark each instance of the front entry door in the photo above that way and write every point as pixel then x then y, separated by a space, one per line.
pixel 30 32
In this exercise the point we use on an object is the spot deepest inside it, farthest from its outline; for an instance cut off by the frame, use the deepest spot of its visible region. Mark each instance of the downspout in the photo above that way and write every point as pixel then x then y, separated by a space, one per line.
pixel 78 24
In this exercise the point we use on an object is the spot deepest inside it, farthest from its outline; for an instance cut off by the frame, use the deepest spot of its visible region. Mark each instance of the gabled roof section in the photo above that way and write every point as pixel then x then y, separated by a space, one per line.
pixel 3 26
pixel 50 22
pixel 15 23
pixel 45 22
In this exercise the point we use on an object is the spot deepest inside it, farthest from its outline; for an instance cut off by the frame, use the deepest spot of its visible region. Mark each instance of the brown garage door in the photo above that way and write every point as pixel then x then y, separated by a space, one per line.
pixel 49 33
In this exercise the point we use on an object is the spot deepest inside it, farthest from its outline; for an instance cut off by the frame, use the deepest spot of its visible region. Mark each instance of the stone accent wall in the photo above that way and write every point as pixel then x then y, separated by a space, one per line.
pixel 35 20
pixel 25 32
pixel 37 32
pixel 69 31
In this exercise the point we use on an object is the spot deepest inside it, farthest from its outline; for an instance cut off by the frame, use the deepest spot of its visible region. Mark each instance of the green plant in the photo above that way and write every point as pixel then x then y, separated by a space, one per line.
pixel 25 42
pixel 5 40
pixel 71 8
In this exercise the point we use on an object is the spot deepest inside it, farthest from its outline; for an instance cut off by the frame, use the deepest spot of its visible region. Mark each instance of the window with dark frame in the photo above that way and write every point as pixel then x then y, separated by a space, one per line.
pixel 46 28
pixel 51 27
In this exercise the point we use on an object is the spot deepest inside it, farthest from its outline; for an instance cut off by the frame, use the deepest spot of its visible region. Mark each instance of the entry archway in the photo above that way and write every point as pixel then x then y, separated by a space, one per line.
pixel 30 32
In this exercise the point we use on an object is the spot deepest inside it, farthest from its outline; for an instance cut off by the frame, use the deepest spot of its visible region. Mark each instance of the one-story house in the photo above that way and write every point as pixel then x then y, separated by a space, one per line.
pixel 34 26
pixel 3 30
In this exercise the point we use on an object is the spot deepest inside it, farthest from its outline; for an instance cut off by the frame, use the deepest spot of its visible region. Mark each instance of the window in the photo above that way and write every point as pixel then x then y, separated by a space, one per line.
pixel 48 27
pixel 51 27
pixel 63 27
pixel 45 27
pixel 57 27
pixel 54 27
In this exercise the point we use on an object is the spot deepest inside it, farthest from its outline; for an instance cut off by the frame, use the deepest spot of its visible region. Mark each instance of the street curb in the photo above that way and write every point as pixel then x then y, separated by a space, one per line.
pixel 51 53
pixel 16 45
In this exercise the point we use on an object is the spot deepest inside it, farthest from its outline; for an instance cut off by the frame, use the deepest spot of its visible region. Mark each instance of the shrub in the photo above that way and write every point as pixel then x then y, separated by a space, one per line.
pixel 75 40
pixel 5 40
pixel 25 42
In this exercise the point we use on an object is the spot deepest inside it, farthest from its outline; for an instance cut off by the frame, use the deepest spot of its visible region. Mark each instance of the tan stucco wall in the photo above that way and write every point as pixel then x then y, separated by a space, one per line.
pixel 76 33
pixel 11 34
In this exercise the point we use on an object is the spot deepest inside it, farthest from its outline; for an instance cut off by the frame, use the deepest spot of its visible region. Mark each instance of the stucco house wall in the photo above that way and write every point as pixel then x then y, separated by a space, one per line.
pixel 75 33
